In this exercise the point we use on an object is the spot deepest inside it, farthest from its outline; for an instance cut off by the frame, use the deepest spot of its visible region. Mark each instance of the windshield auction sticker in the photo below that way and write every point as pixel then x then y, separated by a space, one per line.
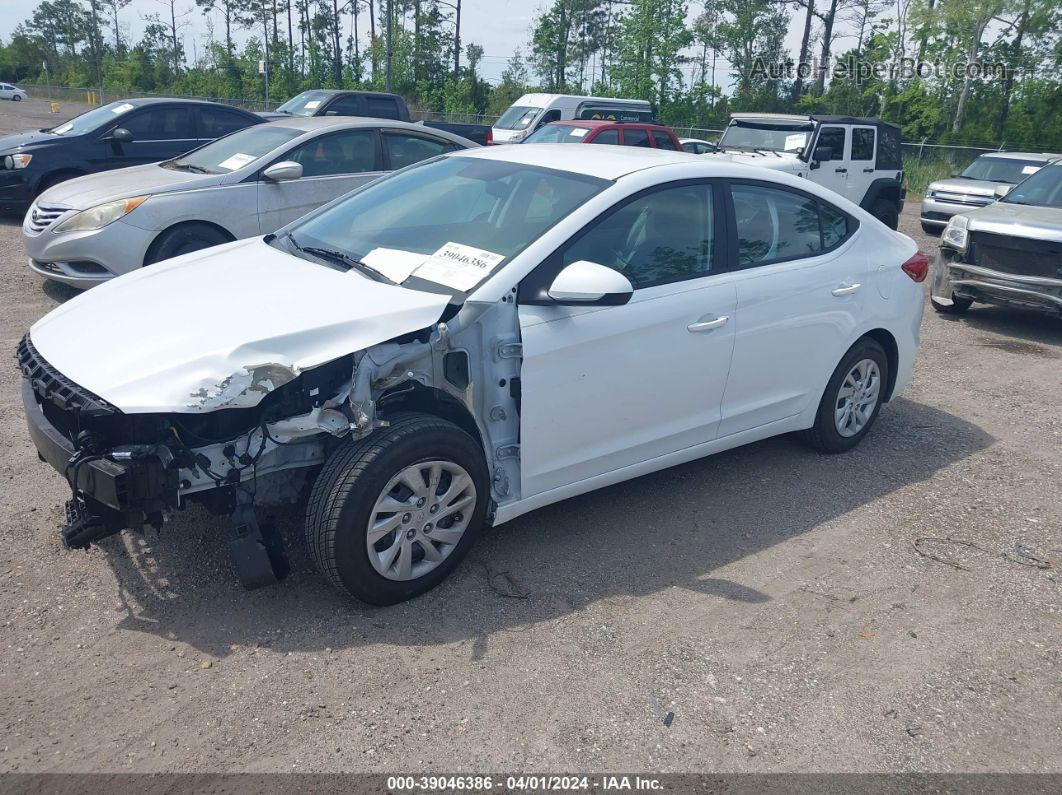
pixel 238 160
pixel 121 108
pixel 458 266
pixel 394 263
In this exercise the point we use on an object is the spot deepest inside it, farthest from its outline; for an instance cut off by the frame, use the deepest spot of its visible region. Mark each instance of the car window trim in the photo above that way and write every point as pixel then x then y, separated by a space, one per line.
pixel 532 290
pixel 731 219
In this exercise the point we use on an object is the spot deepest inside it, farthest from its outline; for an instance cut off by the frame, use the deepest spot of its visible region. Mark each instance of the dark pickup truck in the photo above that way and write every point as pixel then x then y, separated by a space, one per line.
pixel 374 104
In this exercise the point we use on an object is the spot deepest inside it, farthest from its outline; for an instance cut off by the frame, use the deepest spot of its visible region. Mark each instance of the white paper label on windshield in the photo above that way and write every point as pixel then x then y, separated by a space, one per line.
pixel 313 103
pixel 393 263
pixel 1030 169
pixel 579 132
pixel 794 142
pixel 238 160
pixel 458 266
pixel 121 108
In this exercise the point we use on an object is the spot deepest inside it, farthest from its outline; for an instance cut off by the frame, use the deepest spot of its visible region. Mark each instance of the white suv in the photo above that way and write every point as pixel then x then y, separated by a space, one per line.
pixel 858 158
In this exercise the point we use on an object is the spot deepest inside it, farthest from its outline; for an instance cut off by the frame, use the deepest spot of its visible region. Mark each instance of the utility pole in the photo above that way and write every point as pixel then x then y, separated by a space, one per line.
pixel 390 50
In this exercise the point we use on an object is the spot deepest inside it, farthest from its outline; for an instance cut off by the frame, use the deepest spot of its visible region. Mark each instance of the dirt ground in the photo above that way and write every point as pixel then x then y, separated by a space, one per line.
pixel 770 600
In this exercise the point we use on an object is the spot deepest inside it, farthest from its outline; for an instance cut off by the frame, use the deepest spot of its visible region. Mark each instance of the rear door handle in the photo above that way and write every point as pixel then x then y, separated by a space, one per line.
pixel 708 325
pixel 868 171
pixel 845 289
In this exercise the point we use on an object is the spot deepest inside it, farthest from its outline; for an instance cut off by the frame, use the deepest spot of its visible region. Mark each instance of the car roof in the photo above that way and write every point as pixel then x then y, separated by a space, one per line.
pixel 592 124
pixel 603 162
pixel 139 102
pixel 308 124
pixel 1045 156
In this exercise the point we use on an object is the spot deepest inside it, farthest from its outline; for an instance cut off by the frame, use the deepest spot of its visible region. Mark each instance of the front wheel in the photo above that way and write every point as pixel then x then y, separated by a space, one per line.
pixel 16 98
pixel 392 515
pixel 184 240
pixel 852 399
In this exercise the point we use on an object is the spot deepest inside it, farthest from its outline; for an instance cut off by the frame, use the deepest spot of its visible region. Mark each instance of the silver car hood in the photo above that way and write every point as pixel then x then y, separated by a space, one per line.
pixel 221 328
pixel 971 187
pixel 1019 220
pixel 82 193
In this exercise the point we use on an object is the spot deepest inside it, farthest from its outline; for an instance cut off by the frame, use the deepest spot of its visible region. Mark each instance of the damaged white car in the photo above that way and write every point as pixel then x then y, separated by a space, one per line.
pixel 464 341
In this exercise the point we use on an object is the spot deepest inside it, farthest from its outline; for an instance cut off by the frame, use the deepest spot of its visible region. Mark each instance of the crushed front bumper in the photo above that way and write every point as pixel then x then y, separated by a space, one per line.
pixel 119 488
pixel 952 277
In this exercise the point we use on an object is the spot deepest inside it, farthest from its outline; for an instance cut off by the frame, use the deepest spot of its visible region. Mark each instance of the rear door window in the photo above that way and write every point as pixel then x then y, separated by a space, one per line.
pixel 405 150
pixel 635 138
pixel 863 143
pixel 663 141
pixel 382 108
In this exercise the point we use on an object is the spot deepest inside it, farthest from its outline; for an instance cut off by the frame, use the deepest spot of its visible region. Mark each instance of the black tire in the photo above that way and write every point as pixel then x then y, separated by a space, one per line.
pixel 929 229
pixel 824 435
pixel 184 239
pixel 886 212
pixel 16 98
pixel 354 477
pixel 958 305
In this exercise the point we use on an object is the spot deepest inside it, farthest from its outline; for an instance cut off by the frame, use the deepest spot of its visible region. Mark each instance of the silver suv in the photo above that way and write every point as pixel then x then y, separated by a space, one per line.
pixel 974 186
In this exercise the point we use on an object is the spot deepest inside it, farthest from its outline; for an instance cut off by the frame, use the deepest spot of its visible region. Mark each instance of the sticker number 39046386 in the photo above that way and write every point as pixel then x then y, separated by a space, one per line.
pixel 458 266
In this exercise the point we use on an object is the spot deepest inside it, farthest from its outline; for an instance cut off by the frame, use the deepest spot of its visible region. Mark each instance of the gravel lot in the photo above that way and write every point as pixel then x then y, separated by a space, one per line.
pixel 771 600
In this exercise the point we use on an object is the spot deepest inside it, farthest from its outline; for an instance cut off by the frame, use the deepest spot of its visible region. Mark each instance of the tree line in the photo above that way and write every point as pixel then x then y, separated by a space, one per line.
pixel 696 62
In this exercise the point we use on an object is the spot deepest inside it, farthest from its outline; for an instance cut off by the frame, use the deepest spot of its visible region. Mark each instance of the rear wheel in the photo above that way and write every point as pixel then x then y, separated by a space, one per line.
pixel 392 515
pixel 184 240
pixel 957 307
pixel 885 211
pixel 852 399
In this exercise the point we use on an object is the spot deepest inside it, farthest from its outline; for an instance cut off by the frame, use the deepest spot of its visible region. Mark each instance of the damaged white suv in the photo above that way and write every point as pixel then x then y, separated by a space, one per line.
pixel 464 341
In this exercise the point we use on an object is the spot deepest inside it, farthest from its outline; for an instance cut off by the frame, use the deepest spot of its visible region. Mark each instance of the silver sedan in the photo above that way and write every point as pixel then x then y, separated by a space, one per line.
pixel 90 229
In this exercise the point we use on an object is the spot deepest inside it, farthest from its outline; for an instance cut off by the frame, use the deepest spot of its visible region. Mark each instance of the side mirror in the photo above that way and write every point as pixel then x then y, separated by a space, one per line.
pixel 1002 190
pixel 284 171
pixel 120 135
pixel 586 282
pixel 822 154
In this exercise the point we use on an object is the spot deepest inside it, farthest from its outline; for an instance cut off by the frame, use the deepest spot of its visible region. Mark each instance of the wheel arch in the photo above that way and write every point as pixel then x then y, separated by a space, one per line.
pixel 436 402
pixel 887 341
pixel 180 224
pixel 49 180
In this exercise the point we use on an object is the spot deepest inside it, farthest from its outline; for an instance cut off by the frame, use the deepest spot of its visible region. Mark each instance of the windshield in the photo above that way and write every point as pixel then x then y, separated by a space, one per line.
pixel 517 118
pixel 234 151
pixel 1042 189
pixel 92 120
pixel 768 136
pixel 557 134
pixel 1001 169
pixel 304 104
pixel 446 223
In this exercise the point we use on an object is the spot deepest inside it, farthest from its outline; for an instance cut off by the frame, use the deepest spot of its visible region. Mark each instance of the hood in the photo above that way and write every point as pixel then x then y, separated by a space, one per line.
pixel 222 327
pixel 26 140
pixel 82 193
pixel 778 161
pixel 1018 220
pixel 970 187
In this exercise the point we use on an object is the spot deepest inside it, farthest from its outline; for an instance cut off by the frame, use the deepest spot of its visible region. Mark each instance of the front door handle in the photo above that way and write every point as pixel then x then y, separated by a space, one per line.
pixel 841 170
pixel 845 289
pixel 708 325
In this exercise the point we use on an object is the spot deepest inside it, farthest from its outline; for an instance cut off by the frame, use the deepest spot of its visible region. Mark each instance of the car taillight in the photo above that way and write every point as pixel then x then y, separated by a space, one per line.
pixel 490 136
pixel 917 267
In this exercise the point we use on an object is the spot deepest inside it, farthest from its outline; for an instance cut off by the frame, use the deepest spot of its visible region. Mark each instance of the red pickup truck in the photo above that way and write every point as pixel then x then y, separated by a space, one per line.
pixel 619 133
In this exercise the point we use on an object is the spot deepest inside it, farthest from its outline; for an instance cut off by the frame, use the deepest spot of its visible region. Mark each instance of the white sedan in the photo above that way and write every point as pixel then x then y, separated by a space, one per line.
pixel 466 340
pixel 12 92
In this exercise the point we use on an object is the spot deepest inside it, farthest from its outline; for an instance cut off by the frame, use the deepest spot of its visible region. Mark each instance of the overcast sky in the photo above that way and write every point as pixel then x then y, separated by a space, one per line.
pixel 499 26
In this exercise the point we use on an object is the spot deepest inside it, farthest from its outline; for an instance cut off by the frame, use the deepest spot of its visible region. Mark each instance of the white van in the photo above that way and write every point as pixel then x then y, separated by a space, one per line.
pixel 531 111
